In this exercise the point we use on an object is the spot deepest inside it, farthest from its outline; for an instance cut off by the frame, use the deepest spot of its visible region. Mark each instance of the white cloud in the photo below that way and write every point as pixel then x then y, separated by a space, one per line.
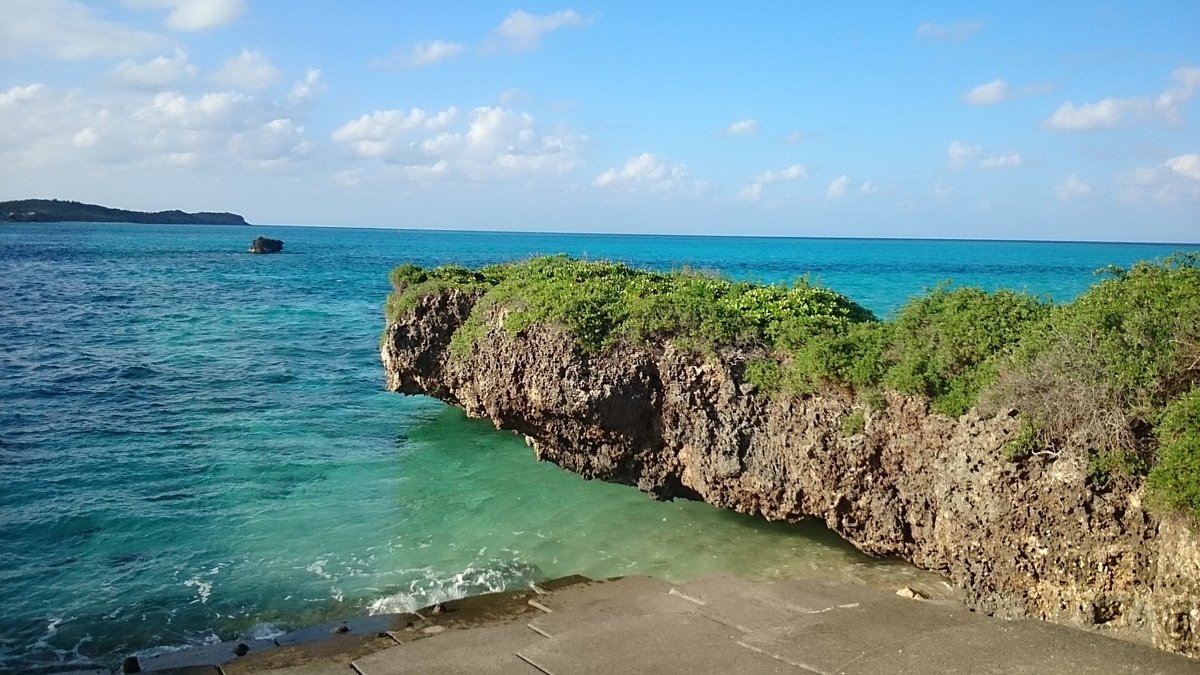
pixel 868 188
pixel 382 132
pixel 194 15
pixel 303 90
pixel 22 93
pixel 742 128
pixel 646 172
pixel 1005 160
pixel 156 74
pixel 67 30
pixel 248 70
pixel 1165 184
pixel 41 128
pixel 949 32
pixel 1111 112
pixel 1100 115
pixel 991 93
pixel 424 54
pixel 795 137
pixel 497 142
pixel 276 143
pixel 837 187
pixel 1072 187
pixel 795 172
pixel 1185 165
pixel 223 110
pixel 751 193
pixel 959 153
pixel 523 32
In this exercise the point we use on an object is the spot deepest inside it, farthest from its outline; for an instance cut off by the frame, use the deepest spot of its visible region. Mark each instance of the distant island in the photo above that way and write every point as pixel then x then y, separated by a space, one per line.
pixel 58 211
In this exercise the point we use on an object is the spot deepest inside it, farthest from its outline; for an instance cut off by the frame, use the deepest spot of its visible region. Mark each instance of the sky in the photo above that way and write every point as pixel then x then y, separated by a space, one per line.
pixel 1055 120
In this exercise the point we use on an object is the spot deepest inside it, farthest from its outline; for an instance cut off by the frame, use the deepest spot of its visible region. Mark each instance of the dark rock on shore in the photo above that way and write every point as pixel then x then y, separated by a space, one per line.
pixel 265 245
pixel 1034 539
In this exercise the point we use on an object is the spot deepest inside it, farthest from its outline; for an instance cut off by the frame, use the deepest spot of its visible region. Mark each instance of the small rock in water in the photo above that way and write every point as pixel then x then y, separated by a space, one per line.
pixel 911 594
pixel 265 245
pixel 241 649
pixel 342 629
pixel 131 665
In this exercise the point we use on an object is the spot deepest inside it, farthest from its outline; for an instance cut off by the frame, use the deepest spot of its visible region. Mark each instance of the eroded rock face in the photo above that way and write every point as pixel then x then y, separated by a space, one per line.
pixel 1028 539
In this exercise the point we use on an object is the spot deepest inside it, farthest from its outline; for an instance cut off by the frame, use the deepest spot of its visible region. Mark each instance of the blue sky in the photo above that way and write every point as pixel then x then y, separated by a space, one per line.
pixel 1049 120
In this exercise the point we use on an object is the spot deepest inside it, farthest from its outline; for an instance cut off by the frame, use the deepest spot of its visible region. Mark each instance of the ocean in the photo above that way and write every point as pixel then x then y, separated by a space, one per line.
pixel 195 442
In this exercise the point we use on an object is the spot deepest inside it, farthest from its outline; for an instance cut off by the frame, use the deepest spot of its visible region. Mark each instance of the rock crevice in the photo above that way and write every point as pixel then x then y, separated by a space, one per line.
pixel 1030 539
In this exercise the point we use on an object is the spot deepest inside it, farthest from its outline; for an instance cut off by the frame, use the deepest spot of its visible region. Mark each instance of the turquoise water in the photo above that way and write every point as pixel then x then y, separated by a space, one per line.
pixel 195 443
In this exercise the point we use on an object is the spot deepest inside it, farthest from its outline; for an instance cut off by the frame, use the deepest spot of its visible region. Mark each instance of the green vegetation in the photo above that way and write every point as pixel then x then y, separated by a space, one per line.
pixel 854 423
pixel 1115 371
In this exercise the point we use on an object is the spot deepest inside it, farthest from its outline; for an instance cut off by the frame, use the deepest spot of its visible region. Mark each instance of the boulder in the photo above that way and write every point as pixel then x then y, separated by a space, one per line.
pixel 265 245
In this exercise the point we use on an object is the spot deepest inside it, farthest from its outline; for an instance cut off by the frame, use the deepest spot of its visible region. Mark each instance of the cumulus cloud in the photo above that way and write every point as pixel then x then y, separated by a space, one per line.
pixel 949 32
pixel 1187 166
pixel 272 144
pixel 1005 160
pixel 753 191
pixel 67 30
pixel 248 70
pixel 42 127
pixel 1111 112
pixel 990 93
pixel 742 128
pixel 868 188
pixel 424 54
pixel 1072 187
pixel 193 15
pixel 303 90
pixel 1175 181
pixel 420 145
pixel 794 172
pixel 382 132
pixel 646 172
pixel 156 74
pixel 958 154
pixel 837 187
pixel 523 32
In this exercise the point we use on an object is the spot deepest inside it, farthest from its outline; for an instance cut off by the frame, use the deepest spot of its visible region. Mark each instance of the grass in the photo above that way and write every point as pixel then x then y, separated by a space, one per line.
pixel 1116 370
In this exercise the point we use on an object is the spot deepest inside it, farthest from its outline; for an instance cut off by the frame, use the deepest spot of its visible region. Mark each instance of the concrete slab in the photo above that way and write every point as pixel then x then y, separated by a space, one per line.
pixel 992 646
pixel 665 644
pixel 610 609
pixel 203 655
pixel 487 650
pixel 825 641
pixel 707 589
pixel 581 595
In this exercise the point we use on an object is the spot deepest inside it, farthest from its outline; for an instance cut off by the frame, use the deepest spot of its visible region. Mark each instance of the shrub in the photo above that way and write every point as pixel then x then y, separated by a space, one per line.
pixel 1174 481
pixel 854 423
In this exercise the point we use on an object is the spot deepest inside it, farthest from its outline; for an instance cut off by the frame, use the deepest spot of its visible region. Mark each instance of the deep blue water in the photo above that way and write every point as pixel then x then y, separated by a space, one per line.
pixel 195 443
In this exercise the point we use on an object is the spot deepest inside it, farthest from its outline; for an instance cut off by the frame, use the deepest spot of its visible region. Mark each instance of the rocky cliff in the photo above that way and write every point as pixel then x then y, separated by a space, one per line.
pixel 1027 539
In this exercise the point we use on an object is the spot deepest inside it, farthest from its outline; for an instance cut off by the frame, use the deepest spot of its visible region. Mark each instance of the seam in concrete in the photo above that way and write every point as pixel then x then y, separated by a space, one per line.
pixel 539 590
pixel 354 667
pixel 678 593
pixel 532 664
pixel 777 657
pixel 539 631
pixel 395 638
pixel 537 605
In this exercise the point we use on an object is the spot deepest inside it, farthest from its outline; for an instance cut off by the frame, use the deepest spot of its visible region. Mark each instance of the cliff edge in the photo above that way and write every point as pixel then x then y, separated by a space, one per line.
pixel 1039 537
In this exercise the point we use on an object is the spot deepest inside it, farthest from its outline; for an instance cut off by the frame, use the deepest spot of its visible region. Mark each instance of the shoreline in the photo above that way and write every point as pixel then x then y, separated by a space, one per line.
pixel 643 624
